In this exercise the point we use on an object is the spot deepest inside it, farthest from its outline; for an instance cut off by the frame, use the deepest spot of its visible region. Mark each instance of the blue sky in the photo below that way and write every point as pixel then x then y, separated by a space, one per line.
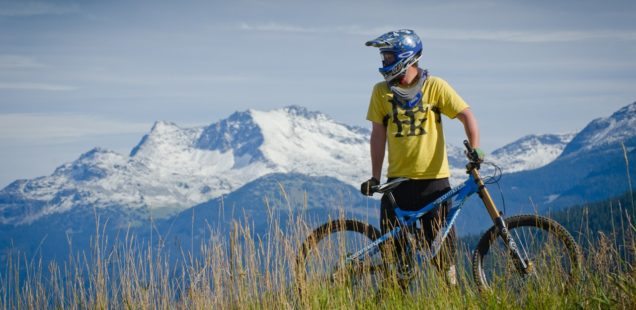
pixel 80 74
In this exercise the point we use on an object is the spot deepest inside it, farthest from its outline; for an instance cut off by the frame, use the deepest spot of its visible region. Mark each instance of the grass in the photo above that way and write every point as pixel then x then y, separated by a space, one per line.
pixel 244 272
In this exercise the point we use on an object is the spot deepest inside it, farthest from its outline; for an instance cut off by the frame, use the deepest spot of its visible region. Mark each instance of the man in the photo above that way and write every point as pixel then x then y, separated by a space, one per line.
pixel 405 111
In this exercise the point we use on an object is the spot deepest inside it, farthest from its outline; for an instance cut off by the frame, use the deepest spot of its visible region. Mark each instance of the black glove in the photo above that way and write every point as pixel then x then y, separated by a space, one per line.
pixel 475 155
pixel 478 155
pixel 366 187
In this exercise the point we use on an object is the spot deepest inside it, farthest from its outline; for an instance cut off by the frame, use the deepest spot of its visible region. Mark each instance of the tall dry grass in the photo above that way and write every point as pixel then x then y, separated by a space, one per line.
pixel 244 271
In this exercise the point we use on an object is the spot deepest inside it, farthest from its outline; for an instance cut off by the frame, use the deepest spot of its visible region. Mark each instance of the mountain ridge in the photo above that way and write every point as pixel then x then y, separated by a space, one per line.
pixel 172 168
pixel 167 182
pixel 583 173
pixel 618 127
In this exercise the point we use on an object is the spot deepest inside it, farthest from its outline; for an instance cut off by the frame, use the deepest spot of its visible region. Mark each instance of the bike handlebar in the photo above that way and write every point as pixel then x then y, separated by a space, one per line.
pixel 469 148
pixel 472 155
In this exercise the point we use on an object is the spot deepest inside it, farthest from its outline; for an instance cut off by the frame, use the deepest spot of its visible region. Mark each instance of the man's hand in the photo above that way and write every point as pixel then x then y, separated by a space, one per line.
pixel 477 155
pixel 366 187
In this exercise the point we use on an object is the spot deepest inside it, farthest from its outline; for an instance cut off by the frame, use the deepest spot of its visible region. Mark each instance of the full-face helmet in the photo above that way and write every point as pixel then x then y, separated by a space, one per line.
pixel 399 50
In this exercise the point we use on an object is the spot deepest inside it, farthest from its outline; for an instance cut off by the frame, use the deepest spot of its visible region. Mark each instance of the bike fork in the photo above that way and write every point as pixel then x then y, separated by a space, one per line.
pixel 525 267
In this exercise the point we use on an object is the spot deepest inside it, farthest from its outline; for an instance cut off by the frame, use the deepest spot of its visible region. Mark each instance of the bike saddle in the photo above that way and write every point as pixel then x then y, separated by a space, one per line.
pixel 389 186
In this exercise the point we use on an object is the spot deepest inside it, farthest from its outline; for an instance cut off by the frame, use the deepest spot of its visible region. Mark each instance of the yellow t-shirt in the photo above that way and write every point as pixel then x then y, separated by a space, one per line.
pixel 415 136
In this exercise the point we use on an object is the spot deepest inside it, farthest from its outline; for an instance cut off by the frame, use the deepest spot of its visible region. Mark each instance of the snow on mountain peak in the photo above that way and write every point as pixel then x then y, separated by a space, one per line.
pixel 174 168
pixel 530 152
pixel 297 140
pixel 630 109
pixel 619 127
pixel 94 164
pixel 295 110
pixel 527 153
pixel 238 133
pixel 162 132
pixel 252 143
pixel 162 126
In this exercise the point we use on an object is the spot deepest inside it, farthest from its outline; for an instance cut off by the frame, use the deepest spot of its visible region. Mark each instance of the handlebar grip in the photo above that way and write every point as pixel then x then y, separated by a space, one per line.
pixel 470 152
pixel 468 147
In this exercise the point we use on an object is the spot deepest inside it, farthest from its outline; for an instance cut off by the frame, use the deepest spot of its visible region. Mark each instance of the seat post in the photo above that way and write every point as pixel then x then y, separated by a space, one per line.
pixel 392 199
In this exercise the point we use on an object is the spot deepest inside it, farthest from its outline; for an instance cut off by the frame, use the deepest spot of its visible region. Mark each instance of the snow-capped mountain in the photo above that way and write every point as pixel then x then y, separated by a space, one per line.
pixel 527 153
pixel 594 166
pixel 303 162
pixel 174 168
pixel 620 127
pixel 530 152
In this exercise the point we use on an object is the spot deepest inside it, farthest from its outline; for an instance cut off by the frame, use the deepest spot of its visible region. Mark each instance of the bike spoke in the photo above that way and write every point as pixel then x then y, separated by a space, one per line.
pixel 549 253
pixel 327 262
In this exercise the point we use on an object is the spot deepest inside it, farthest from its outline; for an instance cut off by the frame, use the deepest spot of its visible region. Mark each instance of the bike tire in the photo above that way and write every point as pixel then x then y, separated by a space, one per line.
pixel 556 258
pixel 314 246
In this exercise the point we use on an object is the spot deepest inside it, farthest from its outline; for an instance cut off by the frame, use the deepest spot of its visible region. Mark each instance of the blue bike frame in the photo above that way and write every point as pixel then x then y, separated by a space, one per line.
pixel 407 218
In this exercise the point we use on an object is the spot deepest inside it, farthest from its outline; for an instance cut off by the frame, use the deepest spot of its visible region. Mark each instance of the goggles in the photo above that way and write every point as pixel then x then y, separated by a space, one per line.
pixel 388 58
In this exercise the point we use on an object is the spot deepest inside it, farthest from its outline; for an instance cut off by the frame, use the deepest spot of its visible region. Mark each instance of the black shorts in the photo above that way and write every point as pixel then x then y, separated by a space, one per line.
pixel 413 195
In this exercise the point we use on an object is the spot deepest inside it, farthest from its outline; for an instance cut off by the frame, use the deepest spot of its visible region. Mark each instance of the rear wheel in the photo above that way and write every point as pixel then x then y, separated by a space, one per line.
pixel 550 251
pixel 321 263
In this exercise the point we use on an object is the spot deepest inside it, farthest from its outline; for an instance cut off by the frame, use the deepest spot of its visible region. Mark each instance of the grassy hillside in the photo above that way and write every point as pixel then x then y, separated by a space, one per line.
pixel 237 271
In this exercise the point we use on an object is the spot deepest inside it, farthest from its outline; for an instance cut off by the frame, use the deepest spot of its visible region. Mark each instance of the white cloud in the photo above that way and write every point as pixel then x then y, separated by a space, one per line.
pixel 161 79
pixel 277 27
pixel 36 87
pixel 48 128
pixel 454 34
pixel 32 8
pixel 529 36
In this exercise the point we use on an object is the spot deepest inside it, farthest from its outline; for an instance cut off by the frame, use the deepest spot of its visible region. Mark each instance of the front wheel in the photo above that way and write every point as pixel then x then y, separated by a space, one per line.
pixel 550 252
pixel 322 264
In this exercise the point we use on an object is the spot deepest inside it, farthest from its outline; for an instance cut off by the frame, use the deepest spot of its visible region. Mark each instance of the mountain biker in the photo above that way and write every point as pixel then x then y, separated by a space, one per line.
pixel 405 111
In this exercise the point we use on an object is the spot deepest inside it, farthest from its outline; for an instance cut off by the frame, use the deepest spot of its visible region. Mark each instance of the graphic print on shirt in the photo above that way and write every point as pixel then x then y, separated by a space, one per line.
pixel 410 122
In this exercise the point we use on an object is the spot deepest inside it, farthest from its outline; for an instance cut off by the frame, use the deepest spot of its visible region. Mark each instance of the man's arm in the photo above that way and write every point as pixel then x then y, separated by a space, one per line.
pixel 470 126
pixel 378 146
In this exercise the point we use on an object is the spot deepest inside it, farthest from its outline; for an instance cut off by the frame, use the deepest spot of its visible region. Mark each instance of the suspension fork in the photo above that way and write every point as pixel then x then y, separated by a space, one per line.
pixel 497 217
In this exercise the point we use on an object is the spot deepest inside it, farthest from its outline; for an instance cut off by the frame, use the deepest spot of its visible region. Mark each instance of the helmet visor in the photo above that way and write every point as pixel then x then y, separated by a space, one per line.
pixel 388 58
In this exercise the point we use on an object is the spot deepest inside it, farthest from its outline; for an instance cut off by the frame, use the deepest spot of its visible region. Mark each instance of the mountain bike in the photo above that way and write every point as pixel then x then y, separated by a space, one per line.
pixel 515 253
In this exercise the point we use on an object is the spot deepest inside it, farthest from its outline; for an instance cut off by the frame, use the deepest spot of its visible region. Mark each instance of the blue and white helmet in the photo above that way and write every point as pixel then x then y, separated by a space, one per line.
pixel 403 45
